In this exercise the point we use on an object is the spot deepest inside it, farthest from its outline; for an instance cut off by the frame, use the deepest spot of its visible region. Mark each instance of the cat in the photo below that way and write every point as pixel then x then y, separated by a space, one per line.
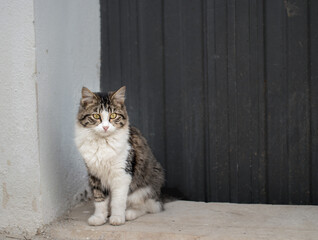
pixel 125 177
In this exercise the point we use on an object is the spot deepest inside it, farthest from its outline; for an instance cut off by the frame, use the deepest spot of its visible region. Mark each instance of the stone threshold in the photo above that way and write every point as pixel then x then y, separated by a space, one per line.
pixel 196 220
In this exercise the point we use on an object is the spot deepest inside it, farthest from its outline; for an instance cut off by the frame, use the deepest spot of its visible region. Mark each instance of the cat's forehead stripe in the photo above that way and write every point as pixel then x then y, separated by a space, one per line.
pixel 104 102
pixel 104 115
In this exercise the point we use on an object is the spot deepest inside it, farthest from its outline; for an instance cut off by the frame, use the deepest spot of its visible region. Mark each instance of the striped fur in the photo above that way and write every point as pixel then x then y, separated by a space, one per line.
pixel 125 177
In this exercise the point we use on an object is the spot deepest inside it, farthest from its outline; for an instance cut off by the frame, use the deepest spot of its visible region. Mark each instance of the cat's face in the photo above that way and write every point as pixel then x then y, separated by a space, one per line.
pixel 103 113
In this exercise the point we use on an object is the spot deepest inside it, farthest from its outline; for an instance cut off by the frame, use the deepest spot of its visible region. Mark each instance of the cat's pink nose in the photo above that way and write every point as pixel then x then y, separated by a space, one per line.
pixel 105 128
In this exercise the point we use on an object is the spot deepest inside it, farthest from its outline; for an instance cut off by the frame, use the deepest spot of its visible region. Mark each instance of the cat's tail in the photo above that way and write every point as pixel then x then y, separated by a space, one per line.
pixel 167 195
pixel 171 195
pixel 153 206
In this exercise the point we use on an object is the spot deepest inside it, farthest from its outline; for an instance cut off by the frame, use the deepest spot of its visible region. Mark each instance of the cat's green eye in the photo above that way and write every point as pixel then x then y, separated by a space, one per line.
pixel 96 116
pixel 113 115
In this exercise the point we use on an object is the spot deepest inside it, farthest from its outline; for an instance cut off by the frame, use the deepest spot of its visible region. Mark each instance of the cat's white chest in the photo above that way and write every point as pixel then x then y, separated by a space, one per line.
pixel 105 158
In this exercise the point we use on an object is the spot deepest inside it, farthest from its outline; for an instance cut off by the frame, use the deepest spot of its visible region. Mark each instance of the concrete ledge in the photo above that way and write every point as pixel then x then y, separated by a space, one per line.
pixel 197 220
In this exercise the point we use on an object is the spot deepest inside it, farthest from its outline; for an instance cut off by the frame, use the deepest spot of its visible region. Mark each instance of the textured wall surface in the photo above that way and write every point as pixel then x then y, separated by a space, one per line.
pixel 68 57
pixel 49 50
pixel 19 158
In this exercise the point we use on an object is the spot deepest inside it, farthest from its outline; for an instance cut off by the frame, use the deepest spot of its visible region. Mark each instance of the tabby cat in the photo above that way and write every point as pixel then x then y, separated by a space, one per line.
pixel 124 175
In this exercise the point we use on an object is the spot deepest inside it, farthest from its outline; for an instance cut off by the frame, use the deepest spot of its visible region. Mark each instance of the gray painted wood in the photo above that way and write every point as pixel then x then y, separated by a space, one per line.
pixel 313 97
pixel 224 91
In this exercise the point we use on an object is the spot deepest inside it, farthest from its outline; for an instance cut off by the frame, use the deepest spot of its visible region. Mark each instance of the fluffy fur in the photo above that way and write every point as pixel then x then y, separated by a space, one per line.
pixel 124 175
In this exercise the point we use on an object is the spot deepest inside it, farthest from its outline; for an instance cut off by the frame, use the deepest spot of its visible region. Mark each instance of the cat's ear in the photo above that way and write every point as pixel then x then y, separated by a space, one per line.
pixel 119 95
pixel 87 97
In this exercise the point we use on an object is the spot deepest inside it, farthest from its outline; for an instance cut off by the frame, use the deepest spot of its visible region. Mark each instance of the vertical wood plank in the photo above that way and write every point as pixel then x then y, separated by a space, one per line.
pixel 258 102
pixel 244 104
pixel 104 71
pixel 277 102
pixel 261 173
pixel 176 93
pixel 247 112
pixel 233 104
pixel 185 48
pixel 313 71
pixel 151 102
pixel 217 101
pixel 130 57
pixel 193 100
pixel 113 47
pixel 298 104
pixel 175 158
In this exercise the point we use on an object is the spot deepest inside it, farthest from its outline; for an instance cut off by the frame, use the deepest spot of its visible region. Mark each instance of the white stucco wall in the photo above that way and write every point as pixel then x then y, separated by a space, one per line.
pixel 20 198
pixel 49 50
pixel 68 57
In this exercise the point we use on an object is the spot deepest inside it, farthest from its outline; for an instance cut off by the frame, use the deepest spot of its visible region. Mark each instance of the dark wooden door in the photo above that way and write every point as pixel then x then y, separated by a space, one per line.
pixel 225 91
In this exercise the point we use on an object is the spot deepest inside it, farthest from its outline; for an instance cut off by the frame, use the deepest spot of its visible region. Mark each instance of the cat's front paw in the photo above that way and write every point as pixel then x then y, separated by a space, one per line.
pixel 117 220
pixel 96 220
